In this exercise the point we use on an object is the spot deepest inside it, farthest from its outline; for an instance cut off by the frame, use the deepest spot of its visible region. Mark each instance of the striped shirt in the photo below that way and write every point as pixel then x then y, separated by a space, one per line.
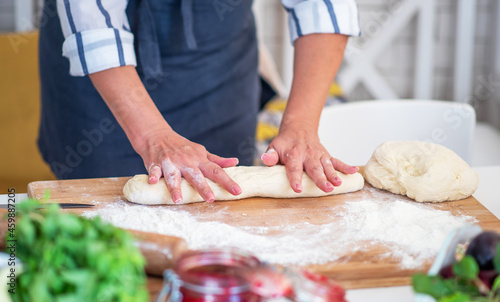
pixel 98 37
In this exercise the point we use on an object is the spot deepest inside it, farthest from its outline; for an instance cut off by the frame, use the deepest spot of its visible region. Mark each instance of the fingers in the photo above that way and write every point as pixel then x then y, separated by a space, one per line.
pixel 216 174
pixel 330 172
pixel 223 162
pixel 172 177
pixel 196 178
pixel 270 158
pixel 294 168
pixel 343 167
pixel 316 172
pixel 179 158
pixel 154 172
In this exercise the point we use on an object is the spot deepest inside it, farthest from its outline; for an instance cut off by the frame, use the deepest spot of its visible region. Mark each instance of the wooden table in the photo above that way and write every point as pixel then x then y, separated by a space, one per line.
pixel 362 270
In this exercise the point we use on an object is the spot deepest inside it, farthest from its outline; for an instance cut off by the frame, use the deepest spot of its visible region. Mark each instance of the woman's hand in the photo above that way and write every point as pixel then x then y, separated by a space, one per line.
pixel 167 154
pixel 301 151
pixel 317 59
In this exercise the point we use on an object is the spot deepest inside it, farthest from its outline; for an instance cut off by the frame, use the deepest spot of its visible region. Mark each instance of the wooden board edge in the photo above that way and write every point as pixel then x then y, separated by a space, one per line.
pixel 374 283
pixel 30 189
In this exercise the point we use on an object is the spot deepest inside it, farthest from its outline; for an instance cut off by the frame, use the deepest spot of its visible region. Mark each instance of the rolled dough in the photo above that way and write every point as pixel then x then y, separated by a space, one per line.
pixel 425 172
pixel 255 181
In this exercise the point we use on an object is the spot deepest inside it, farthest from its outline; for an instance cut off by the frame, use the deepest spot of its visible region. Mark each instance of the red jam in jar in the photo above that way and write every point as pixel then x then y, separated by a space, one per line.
pixel 215 275
pixel 230 275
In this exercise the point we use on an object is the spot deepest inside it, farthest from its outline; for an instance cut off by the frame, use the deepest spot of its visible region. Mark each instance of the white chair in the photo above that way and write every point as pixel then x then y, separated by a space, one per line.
pixel 352 131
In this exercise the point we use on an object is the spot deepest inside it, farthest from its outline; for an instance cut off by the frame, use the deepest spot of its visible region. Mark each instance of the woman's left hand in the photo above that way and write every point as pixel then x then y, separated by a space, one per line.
pixel 300 150
pixel 317 59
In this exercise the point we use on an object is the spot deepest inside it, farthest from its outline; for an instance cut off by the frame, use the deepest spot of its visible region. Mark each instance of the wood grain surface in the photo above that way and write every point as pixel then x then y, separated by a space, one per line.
pixel 359 270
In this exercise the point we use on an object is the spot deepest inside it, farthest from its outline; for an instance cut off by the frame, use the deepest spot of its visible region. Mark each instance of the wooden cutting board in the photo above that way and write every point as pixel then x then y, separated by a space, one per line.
pixel 360 270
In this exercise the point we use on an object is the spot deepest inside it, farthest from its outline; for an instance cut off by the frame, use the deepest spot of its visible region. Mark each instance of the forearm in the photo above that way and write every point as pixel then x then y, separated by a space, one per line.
pixel 164 152
pixel 316 62
pixel 122 90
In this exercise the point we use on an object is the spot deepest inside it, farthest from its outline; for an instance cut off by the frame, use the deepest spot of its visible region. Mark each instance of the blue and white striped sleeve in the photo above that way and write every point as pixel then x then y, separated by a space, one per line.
pixel 322 16
pixel 97 35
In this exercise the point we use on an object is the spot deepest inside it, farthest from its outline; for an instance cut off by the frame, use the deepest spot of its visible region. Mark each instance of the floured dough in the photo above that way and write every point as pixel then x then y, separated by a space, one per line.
pixel 425 172
pixel 255 181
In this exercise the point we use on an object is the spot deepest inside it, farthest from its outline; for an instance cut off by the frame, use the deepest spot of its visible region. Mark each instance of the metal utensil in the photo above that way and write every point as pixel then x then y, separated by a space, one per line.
pixel 63 205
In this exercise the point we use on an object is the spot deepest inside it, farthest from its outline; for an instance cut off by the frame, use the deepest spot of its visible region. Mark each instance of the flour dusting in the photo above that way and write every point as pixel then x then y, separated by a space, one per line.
pixel 411 233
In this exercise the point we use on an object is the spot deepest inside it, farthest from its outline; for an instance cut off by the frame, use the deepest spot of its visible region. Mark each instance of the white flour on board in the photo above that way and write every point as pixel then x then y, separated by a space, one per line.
pixel 411 233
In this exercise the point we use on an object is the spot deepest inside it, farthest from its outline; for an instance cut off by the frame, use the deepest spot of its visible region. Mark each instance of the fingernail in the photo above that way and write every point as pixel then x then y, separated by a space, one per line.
pixel 267 152
pixel 177 198
pixel 210 198
pixel 329 186
pixel 236 190
pixel 337 179
pixel 152 179
pixel 298 188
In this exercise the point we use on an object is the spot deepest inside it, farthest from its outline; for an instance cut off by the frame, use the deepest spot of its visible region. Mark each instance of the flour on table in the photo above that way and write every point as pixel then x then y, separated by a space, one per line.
pixel 412 233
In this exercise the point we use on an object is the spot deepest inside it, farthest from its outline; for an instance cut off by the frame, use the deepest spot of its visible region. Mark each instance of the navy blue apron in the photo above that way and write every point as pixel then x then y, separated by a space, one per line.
pixel 199 68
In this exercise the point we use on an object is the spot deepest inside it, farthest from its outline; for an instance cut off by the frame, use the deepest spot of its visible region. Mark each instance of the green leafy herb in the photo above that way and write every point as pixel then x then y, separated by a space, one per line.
pixel 463 286
pixel 434 286
pixel 467 268
pixel 496 260
pixel 46 195
pixel 457 297
pixel 69 258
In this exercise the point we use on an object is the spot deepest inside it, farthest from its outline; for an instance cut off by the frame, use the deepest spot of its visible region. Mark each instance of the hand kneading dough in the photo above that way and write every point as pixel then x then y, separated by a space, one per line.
pixel 254 182
pixel 425 172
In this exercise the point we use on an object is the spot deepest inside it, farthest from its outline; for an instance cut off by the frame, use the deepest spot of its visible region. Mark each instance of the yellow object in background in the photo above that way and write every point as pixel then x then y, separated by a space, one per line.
pixel 20 160
pixel 335 90
pixel 266 131
pixel 276 105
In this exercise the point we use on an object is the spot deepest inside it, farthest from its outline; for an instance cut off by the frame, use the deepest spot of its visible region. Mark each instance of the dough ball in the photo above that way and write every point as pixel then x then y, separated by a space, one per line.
pixel 255 181
pixel 425 172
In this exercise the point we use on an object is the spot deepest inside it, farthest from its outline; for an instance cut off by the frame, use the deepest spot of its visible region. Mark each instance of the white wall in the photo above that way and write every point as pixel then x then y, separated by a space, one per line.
pixel 272 29
pixel 17 15
pixel 7 22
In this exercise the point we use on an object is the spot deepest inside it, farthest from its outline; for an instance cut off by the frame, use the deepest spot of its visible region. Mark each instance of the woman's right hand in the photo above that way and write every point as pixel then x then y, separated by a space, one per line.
pixel 166 153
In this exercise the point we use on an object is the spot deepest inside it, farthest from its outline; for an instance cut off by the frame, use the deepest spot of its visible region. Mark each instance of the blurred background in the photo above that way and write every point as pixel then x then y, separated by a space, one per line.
pixel 417 49
pixel 432 49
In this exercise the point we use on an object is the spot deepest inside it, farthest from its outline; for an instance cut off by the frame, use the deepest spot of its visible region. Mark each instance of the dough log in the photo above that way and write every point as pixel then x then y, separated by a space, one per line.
pixel 255 181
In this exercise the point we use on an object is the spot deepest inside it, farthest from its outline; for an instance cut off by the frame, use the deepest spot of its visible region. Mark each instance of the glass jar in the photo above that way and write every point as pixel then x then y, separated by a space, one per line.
pixel 312 287
pixel 214 275
pixel 222 275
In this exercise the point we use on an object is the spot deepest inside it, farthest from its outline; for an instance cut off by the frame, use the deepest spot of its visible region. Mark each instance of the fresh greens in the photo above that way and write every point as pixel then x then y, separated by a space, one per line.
pixel 464 282
pixel 68 258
